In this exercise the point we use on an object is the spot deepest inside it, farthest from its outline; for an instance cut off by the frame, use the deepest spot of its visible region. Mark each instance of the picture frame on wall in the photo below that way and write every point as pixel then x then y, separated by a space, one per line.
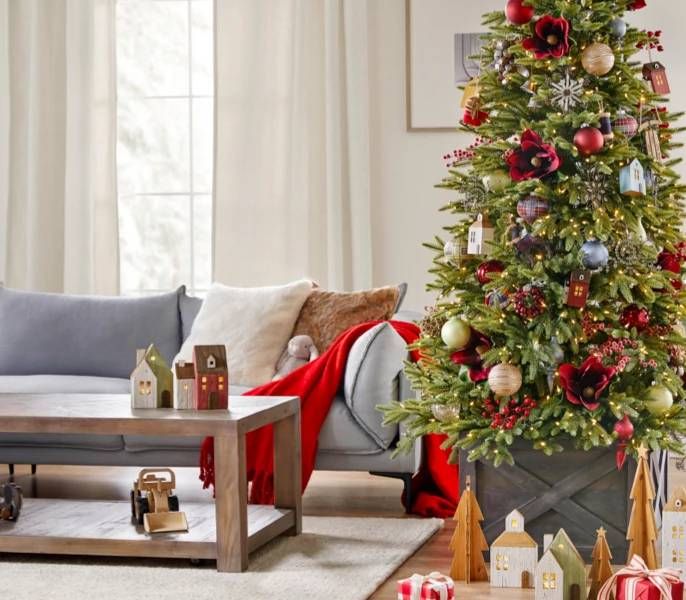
pixel 442 36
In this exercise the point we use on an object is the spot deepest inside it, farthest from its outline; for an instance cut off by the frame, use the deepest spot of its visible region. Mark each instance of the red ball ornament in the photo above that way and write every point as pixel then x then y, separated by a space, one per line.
pixel 485 269
pixel 589 140
pixel 669 261
pixel 633 316
pixel 517 13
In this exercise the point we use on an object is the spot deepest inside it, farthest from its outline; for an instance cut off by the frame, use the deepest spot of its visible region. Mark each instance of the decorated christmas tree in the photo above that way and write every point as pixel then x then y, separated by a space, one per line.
pixel 601 564
pixel 468 542
pixel 559 286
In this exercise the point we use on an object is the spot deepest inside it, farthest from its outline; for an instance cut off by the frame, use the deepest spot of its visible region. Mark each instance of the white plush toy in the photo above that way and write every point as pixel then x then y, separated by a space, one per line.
pixel 299 352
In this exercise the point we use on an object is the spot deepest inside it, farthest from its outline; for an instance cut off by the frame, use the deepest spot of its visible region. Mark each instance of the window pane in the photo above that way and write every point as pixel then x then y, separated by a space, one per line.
pixel 153 148
pixel 202 242
pixel 202 33
pixel 155 242
pixel 203 134
pixel 152 48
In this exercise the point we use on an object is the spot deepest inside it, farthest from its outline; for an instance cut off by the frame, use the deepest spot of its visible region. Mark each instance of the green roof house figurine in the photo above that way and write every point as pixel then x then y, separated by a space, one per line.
pixel 561 572
pixel 151 381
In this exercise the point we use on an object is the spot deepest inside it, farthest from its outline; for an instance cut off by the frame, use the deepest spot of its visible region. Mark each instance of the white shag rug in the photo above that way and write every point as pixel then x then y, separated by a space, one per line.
pixel 335 557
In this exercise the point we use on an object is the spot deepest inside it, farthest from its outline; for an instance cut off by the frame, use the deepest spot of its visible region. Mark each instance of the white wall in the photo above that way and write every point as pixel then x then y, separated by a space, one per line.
pixel 406 165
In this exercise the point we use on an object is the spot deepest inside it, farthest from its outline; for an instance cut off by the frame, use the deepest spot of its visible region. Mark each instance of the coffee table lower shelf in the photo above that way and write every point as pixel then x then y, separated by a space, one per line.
pixel 102 528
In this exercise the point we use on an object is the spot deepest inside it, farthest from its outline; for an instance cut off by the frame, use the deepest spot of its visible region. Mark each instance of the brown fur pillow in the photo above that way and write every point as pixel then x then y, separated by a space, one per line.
pixel 325 315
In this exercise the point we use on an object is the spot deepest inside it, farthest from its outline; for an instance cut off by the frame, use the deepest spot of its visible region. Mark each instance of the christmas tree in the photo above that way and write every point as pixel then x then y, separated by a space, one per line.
pixel 559 287
pixel 642 531
pixel 601 565
pixel 468 541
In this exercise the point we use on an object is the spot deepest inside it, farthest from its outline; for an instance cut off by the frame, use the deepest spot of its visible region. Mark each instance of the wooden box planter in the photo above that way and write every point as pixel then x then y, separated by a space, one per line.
pixel 577 490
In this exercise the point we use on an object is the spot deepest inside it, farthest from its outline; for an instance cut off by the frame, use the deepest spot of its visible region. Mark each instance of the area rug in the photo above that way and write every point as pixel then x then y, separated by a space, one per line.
pixel 335 557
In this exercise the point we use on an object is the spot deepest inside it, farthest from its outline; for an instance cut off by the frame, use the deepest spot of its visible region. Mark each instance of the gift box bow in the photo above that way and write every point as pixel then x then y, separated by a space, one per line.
pixel 636 572
pixel 437 582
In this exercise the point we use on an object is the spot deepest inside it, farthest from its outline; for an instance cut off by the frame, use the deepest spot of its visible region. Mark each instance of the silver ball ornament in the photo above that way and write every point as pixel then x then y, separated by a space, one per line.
pixel 594 255
pixel 618 27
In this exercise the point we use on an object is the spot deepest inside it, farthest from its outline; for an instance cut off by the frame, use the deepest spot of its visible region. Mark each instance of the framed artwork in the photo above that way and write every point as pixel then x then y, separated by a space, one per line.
pixel 441 35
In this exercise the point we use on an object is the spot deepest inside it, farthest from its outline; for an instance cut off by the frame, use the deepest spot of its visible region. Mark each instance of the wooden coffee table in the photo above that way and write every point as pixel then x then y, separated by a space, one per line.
pixel 225 531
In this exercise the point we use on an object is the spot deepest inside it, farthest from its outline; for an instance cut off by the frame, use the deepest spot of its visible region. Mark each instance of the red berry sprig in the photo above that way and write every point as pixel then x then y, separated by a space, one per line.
pixel 653 42
pixel 460 156
pixel 508 415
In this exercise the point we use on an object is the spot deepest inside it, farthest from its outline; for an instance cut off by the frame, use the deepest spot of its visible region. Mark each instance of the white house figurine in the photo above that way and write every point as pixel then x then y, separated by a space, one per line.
pixel 514 555
pixel 674 532
pixel 632 180
pixel 480 236
pixel 151 380
pixel 185 385
pixel 561 572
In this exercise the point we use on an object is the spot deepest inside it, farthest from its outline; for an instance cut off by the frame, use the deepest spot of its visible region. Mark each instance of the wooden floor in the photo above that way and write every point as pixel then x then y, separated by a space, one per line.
pixel 329 494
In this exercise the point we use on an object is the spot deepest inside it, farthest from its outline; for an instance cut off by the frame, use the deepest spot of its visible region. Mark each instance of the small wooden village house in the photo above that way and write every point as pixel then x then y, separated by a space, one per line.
pixel 514 555
pixel 481 234
pixel 211 377
pixel 185 385
pixel 151 381
pixel 561 572
pixel 632 180
pixel 674 532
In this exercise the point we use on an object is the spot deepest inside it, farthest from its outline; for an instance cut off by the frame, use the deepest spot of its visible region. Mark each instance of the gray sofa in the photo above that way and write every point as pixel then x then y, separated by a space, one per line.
pixel 54 343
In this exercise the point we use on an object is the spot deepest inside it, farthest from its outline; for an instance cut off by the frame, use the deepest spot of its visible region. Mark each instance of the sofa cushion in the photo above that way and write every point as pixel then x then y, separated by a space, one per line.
pixel 189 307
pixel 371 378
pixel 83 335
pixel 254 323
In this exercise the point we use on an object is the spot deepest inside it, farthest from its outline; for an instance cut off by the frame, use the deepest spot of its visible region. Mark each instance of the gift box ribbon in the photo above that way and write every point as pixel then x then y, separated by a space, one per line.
pixel 436 580
pixel 637 571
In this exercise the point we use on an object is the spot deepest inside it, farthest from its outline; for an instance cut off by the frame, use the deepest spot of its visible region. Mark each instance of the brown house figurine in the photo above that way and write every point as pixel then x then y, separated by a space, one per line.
pixel 656 74
pixel 211 377
pixel 577 290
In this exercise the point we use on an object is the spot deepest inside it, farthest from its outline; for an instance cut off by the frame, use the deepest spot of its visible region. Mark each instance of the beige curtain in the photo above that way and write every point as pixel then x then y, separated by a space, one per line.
pixel 292 182
pixel 58 198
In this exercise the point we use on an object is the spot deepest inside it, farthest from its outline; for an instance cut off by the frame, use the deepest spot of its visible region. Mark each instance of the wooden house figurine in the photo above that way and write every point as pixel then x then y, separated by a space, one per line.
pixel 211 377
pixel 656 73
pixel 151 381
pixel 481 234
pixel 514 555
pixel 561 572
pixel 632 179
pixel 576 292
pixel 185 385
pixel 674 532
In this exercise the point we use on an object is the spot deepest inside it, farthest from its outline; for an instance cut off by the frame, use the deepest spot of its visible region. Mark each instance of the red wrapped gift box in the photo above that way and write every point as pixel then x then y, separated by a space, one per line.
pixel 433 586
pixel 645 589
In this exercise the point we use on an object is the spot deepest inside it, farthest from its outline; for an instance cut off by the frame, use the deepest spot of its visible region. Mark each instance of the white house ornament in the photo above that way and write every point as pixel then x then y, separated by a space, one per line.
pixel 632 179
pixel 505 379
pixel 561 572
pixel 674 532
pixel 481 234
pixel 514 555
pixel 567 92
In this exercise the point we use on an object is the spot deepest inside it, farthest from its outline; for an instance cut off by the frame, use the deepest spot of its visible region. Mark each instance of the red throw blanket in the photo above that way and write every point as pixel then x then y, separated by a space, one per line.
pixel 317 383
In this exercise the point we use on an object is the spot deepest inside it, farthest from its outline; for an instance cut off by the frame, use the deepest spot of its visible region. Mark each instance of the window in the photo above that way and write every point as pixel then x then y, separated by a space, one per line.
pixel 165 87
pixel 502 562
pixel 549 581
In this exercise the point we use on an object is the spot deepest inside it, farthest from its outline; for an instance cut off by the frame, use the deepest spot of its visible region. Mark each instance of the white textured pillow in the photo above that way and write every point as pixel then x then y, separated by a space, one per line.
pixel 254 323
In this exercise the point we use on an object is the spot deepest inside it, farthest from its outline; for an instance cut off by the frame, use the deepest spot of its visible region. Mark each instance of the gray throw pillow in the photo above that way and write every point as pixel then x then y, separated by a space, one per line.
pixel 189 307
pixel 55 334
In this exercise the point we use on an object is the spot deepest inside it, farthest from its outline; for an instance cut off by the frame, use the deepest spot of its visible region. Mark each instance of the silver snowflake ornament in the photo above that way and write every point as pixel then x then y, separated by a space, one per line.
pixel 595 185
pixel 567 92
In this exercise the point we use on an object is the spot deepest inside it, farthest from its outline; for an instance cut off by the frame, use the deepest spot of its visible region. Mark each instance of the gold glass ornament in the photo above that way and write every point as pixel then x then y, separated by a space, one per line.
pixel 598 59
pixel 505 379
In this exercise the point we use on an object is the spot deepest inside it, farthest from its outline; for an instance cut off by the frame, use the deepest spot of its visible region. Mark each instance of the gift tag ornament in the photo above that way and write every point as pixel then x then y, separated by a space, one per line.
pixel 658 400
pixel 656 74
pixel 505 379
pixel 594 255
pixel 589 140
pixel 598 59
pixel 532 207
pixel 456 334
pixel 625 124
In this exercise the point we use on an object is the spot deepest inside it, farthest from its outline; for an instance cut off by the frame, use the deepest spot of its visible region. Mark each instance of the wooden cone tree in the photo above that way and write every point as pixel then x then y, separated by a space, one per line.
pixel 601 566
pixel 642 531
pixel 468 542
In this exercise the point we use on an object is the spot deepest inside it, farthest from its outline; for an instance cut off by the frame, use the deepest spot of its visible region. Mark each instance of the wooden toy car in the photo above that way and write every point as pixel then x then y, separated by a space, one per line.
pixel 10 501
pixel 153 504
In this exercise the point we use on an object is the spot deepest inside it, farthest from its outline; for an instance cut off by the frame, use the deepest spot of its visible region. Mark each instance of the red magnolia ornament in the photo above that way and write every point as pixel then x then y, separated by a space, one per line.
pixel 624 429
pixel 633 316
pixel 589 140
pixel 517 13
pixel 529 303
pixel 584 385
pixel 637 5
pixel 471 356
pixel 484 270
pixel 533 159
pixel 550 39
